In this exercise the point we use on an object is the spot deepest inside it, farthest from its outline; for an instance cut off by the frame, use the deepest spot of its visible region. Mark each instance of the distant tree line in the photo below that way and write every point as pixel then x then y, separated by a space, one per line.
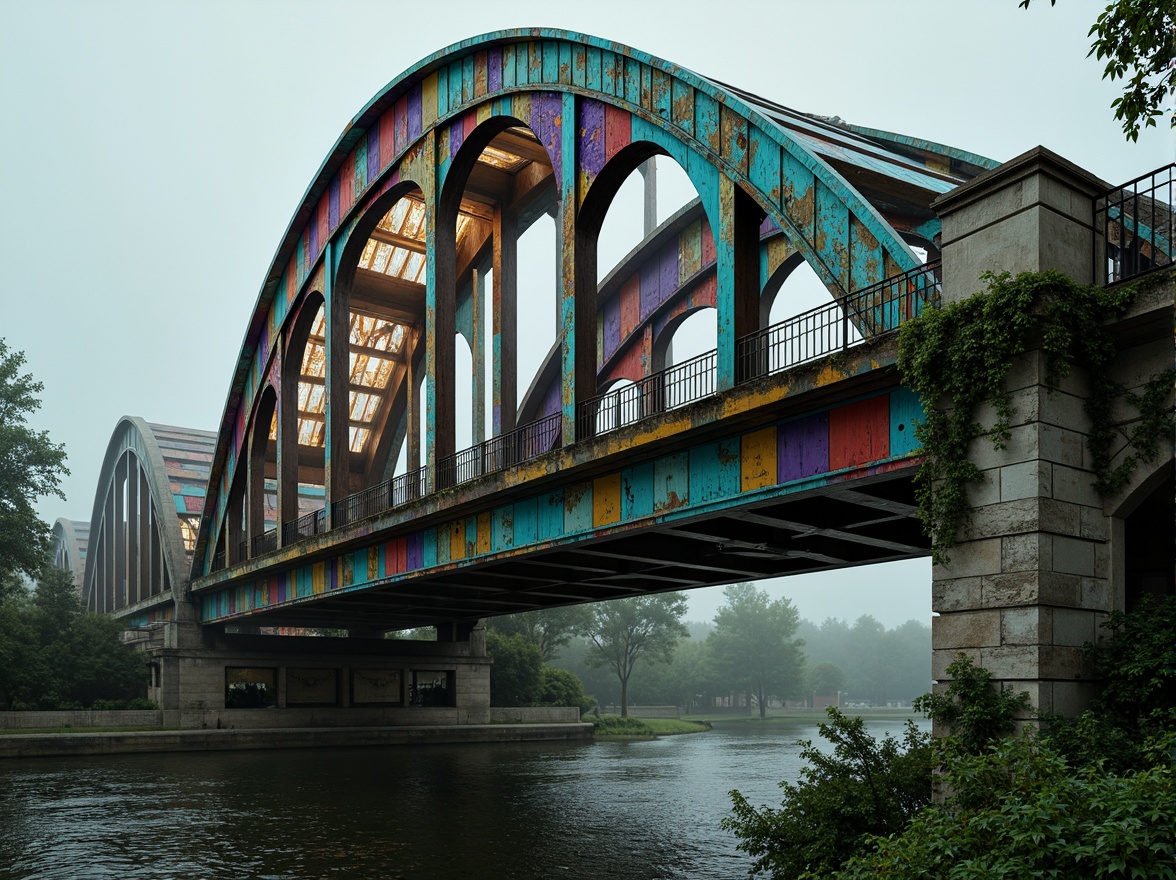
pixel 756 651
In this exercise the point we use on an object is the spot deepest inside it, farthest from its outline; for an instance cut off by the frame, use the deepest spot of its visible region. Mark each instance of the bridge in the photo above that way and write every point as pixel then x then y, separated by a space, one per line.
pixel 333 494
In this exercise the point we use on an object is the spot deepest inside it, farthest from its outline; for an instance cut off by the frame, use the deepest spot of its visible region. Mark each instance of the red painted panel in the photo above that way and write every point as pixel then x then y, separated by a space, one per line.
pixel 630 295
pixel 402 123
pixel 708 243
pixel 630 364
pixel 322 218
pixel 859 433
pixel 618 131
pixel 469 121
pixel 387 137
pixel 347 185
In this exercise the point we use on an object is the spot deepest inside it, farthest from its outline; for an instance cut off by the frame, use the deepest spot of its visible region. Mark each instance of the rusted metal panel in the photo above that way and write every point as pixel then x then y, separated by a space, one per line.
pixel 318 578
pixel 661 94
pixel 483 531
pixel 866 263
pixel 565 61
pixel 859 433
pixel 682 98
pixel 550 62
pixel 467 79
pixel 706 121
pixel 733 142
pixel 906 411
pixel 637 491
pixel 689 252
pixel 577 508
pixel 803 448
pixel 632 75
pixel 832 234
pixel 714 471
pixel 594 71
pixel 526 521
pixel 757 452
pixel 630 305
pixel 481 75
pixel 551 515
pixel 502 528
pixel 606 500
pixel 671 482
pixel 764 156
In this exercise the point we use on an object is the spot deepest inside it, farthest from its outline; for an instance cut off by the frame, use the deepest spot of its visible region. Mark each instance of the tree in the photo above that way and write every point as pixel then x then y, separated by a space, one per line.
pixel 862 788
pixel 516 676
pixel 1138 41
pixel 558 687
pixel 30 466
pixel 549 629
pixel 826 679
pixel 625 630
pixel 752 644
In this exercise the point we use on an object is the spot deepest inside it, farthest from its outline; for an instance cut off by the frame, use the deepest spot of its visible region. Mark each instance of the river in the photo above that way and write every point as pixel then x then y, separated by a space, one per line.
pixel 647 809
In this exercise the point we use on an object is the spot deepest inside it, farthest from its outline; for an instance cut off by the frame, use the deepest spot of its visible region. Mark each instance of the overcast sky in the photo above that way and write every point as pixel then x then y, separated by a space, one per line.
pixel 152 154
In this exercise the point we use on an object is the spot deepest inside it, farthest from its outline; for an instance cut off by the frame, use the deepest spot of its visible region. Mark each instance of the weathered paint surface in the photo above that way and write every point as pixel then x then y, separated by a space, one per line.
pixel 621 96
pixel 821 448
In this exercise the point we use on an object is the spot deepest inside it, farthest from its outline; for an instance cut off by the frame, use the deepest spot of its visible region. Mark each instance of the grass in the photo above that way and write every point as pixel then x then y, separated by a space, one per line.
pixel 616 727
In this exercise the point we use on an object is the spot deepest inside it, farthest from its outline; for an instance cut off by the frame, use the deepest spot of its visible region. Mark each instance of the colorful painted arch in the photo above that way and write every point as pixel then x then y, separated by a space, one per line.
pixel 584 112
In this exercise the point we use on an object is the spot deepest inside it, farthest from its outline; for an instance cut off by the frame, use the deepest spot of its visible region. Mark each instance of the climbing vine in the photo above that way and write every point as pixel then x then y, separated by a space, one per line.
pixel 959 357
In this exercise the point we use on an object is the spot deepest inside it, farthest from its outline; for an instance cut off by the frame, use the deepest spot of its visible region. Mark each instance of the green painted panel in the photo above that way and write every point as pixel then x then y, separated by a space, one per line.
pixel 526 522
pixel 671 482
pixel 577 508
pixel 551 515
pixel 714 471
pixel 906 410
pixel 637 491
pixel 502 522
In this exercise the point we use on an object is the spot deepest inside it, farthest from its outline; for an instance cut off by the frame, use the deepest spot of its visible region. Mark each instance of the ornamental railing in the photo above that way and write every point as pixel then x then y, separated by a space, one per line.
pixel 504 451
pixel 313 523
pixel 1137 225
pixel 266 542
pixel 370 502
pixel 665 390
pixel 864 314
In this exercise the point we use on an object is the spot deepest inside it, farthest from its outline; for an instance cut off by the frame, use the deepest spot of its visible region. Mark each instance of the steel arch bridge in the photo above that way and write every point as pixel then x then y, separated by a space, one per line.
pixel 788 448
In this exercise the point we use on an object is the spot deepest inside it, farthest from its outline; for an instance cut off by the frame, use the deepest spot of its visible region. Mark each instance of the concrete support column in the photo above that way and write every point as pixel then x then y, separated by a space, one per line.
pixel 1029 579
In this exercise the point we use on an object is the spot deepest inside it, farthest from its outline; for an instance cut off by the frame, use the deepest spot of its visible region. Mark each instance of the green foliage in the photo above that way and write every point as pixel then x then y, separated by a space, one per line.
pixel 619 725
pixel 624 631
pixel 1134 711
pixel 826 678
pixel 863 787
pixel 516 676
pixel 54 655
pixel 752 645
pixel 880 664
pixel 959 356
pixel 30 466
pixel 558 687
pixel 549 629
pixel 971 709
pixel 1019 810
pixel 1138 41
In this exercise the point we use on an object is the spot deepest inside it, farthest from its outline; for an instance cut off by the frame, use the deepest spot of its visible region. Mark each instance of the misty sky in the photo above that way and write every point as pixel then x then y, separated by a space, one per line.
pixel 152 154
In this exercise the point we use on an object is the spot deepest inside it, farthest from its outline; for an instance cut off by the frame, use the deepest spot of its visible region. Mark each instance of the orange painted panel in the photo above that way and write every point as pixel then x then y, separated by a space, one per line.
pixel 758 459
pixel 606 500
pixel 859 433
pixel 457 544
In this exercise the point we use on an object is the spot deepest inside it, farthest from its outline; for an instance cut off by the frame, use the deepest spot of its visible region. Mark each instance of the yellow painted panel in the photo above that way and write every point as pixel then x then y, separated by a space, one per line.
pixel 758 459
pixel 606 500
pixel 318 577
pixel 484 533
pixel 428 101
pixel 457 547
pixel 373 563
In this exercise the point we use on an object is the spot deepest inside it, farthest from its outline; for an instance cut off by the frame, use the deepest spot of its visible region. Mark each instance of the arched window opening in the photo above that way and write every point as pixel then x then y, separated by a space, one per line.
pixel 538 301
pixel 685 350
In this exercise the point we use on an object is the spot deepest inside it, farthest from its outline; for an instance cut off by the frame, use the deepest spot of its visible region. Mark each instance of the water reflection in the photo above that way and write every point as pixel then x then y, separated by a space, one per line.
pixel 633 810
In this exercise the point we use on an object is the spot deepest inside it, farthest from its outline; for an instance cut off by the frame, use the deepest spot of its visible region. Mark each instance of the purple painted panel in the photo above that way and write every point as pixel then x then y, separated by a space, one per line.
pixel 414 112
pixel 552 400
pixel 650 277
pixel 803 448
pixel 668 266
pixel 494 69
pixel 415 555
pixel 591 137
pixel 333 204
pixel 312 246
pixel 546 108
pixel 373 153
pixel 612 326
pixel 456 137
pixel 769 224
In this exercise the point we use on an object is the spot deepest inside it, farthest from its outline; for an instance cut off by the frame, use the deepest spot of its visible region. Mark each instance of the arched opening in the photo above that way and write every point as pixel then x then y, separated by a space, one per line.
pixel 1149 541
pixel 643 300
pixel 261 499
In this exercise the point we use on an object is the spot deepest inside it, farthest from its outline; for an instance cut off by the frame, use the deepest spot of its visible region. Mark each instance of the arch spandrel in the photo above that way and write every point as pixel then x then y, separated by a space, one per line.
pixel 782 160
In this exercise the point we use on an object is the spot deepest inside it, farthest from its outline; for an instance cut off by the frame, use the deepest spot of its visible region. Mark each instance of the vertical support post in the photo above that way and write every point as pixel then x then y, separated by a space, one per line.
pixel 120 532
pixel 236 519
pixel 505 321
pixel 413 402
pixel 737 265
pixel 336 470
pixel 132 532
pixel 440 315
pixel 146 559
pixel 289 367
pixel 577 313
pixel 479 355
pixel 255 482
pixel 648 170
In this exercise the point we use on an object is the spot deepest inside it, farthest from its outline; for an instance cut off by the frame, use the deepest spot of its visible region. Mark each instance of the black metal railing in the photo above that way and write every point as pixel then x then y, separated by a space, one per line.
pixel 399 490
pixel 218 561
pixel 266 542
pixel 1136 220
pixel 864 314
pixel 314 523
pixel 241 545
pixel 665 390
pixel 501 452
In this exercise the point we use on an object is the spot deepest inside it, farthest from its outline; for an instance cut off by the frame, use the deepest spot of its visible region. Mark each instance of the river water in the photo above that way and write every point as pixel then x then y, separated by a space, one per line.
pixel 648 809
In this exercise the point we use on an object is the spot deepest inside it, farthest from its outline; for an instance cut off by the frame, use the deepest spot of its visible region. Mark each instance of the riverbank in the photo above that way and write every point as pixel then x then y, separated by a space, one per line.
pixel 39 745
pixel 813 716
